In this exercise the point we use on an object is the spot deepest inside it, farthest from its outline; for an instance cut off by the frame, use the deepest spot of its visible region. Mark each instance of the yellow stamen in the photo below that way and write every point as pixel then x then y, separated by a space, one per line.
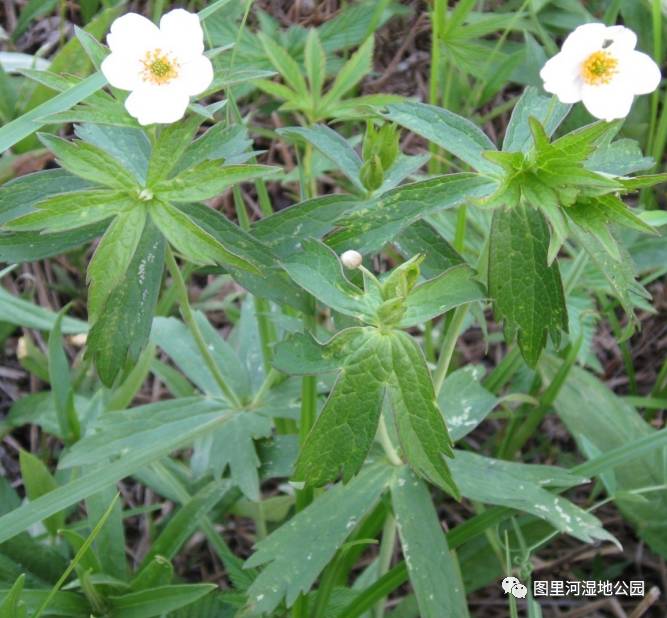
pixel 159 68
pixel 599 68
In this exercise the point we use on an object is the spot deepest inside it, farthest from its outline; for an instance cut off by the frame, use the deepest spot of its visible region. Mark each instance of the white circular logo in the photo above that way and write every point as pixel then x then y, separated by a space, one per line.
pixel 511 585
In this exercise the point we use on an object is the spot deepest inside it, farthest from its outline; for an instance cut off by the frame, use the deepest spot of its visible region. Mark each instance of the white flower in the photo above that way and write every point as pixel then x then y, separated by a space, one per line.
pixel 600 66
pixel 162 67
pixel 351 259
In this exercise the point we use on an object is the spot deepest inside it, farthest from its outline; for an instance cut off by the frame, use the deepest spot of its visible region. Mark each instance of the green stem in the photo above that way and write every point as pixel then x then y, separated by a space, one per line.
pixel 448 346
pixel 384 559
pixel 503 371
pixel 536 415
pixel 308 413
pixel 385 441
pixel 438 16
pixel 656 20
pixel 189 318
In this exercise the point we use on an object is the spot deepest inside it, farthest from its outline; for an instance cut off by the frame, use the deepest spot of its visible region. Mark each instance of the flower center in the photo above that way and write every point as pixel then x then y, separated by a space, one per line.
pixel 599 68
pixel 159 67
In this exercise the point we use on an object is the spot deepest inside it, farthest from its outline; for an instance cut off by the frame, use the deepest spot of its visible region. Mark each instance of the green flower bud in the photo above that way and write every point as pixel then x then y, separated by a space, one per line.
pixel 372 175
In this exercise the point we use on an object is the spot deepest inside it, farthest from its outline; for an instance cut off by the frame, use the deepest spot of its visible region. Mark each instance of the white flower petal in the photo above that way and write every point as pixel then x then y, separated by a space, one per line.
pixel 122 71
pixel 183 34
pixel 195 76
pixel 609 101
pixel 132 33
pixel 562 77
pixel 639 72
pixel 623 38
pixel 584 40
pixel 152 104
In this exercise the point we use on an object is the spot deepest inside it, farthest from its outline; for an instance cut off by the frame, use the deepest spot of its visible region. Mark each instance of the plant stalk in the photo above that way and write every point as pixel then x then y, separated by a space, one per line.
pixel 384 559
pixel 448 346
pixel 189 318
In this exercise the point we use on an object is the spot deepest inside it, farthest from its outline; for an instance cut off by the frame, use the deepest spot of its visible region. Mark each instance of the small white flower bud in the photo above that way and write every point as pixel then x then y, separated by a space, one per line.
pixel 21 348
pixel 79 340
pixel 351 259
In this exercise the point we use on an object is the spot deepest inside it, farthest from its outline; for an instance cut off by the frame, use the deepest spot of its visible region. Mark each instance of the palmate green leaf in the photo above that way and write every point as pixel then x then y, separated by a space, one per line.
pixel 315 61
pixel 370 227
pixel 23 313
pixel 284 230
pixel 464 401
pixel 285 65
pixel 185 523
pixel 422 237
pixel 352 72
pixel 433 569
pixel 172 142
pixel 269 280
pixel 219 142
pixel 130 431
pixel 95 50
pixel 280 91
pixel 176 340
pixel 456 286
pixel 124 323
pixel 300 549
pixel 129 145
pixel 372 363
pixel 619 158
pixel 609 423
pixel 548 110
pixel 195 243
pixel 333 147
pixel 17 247
pixel 69 211
pixel 521 486
pixel 18 196
pixel 38 482
pixel 164 427
pixel 527 293
pixel 158 601
pixel 343 432
pixel 403 168
pixel 317 269
pixel 233 446
pixel 543 197
pixel 453 133
pixel 595 215
pixel 419 423
pixel 207 180
pixel 113 256
pixel 300 354
pixel 621 274
pixel 90 163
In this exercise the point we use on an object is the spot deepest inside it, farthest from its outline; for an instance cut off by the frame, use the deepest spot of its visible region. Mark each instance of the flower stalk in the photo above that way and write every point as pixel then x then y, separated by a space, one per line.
pixel 189 318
